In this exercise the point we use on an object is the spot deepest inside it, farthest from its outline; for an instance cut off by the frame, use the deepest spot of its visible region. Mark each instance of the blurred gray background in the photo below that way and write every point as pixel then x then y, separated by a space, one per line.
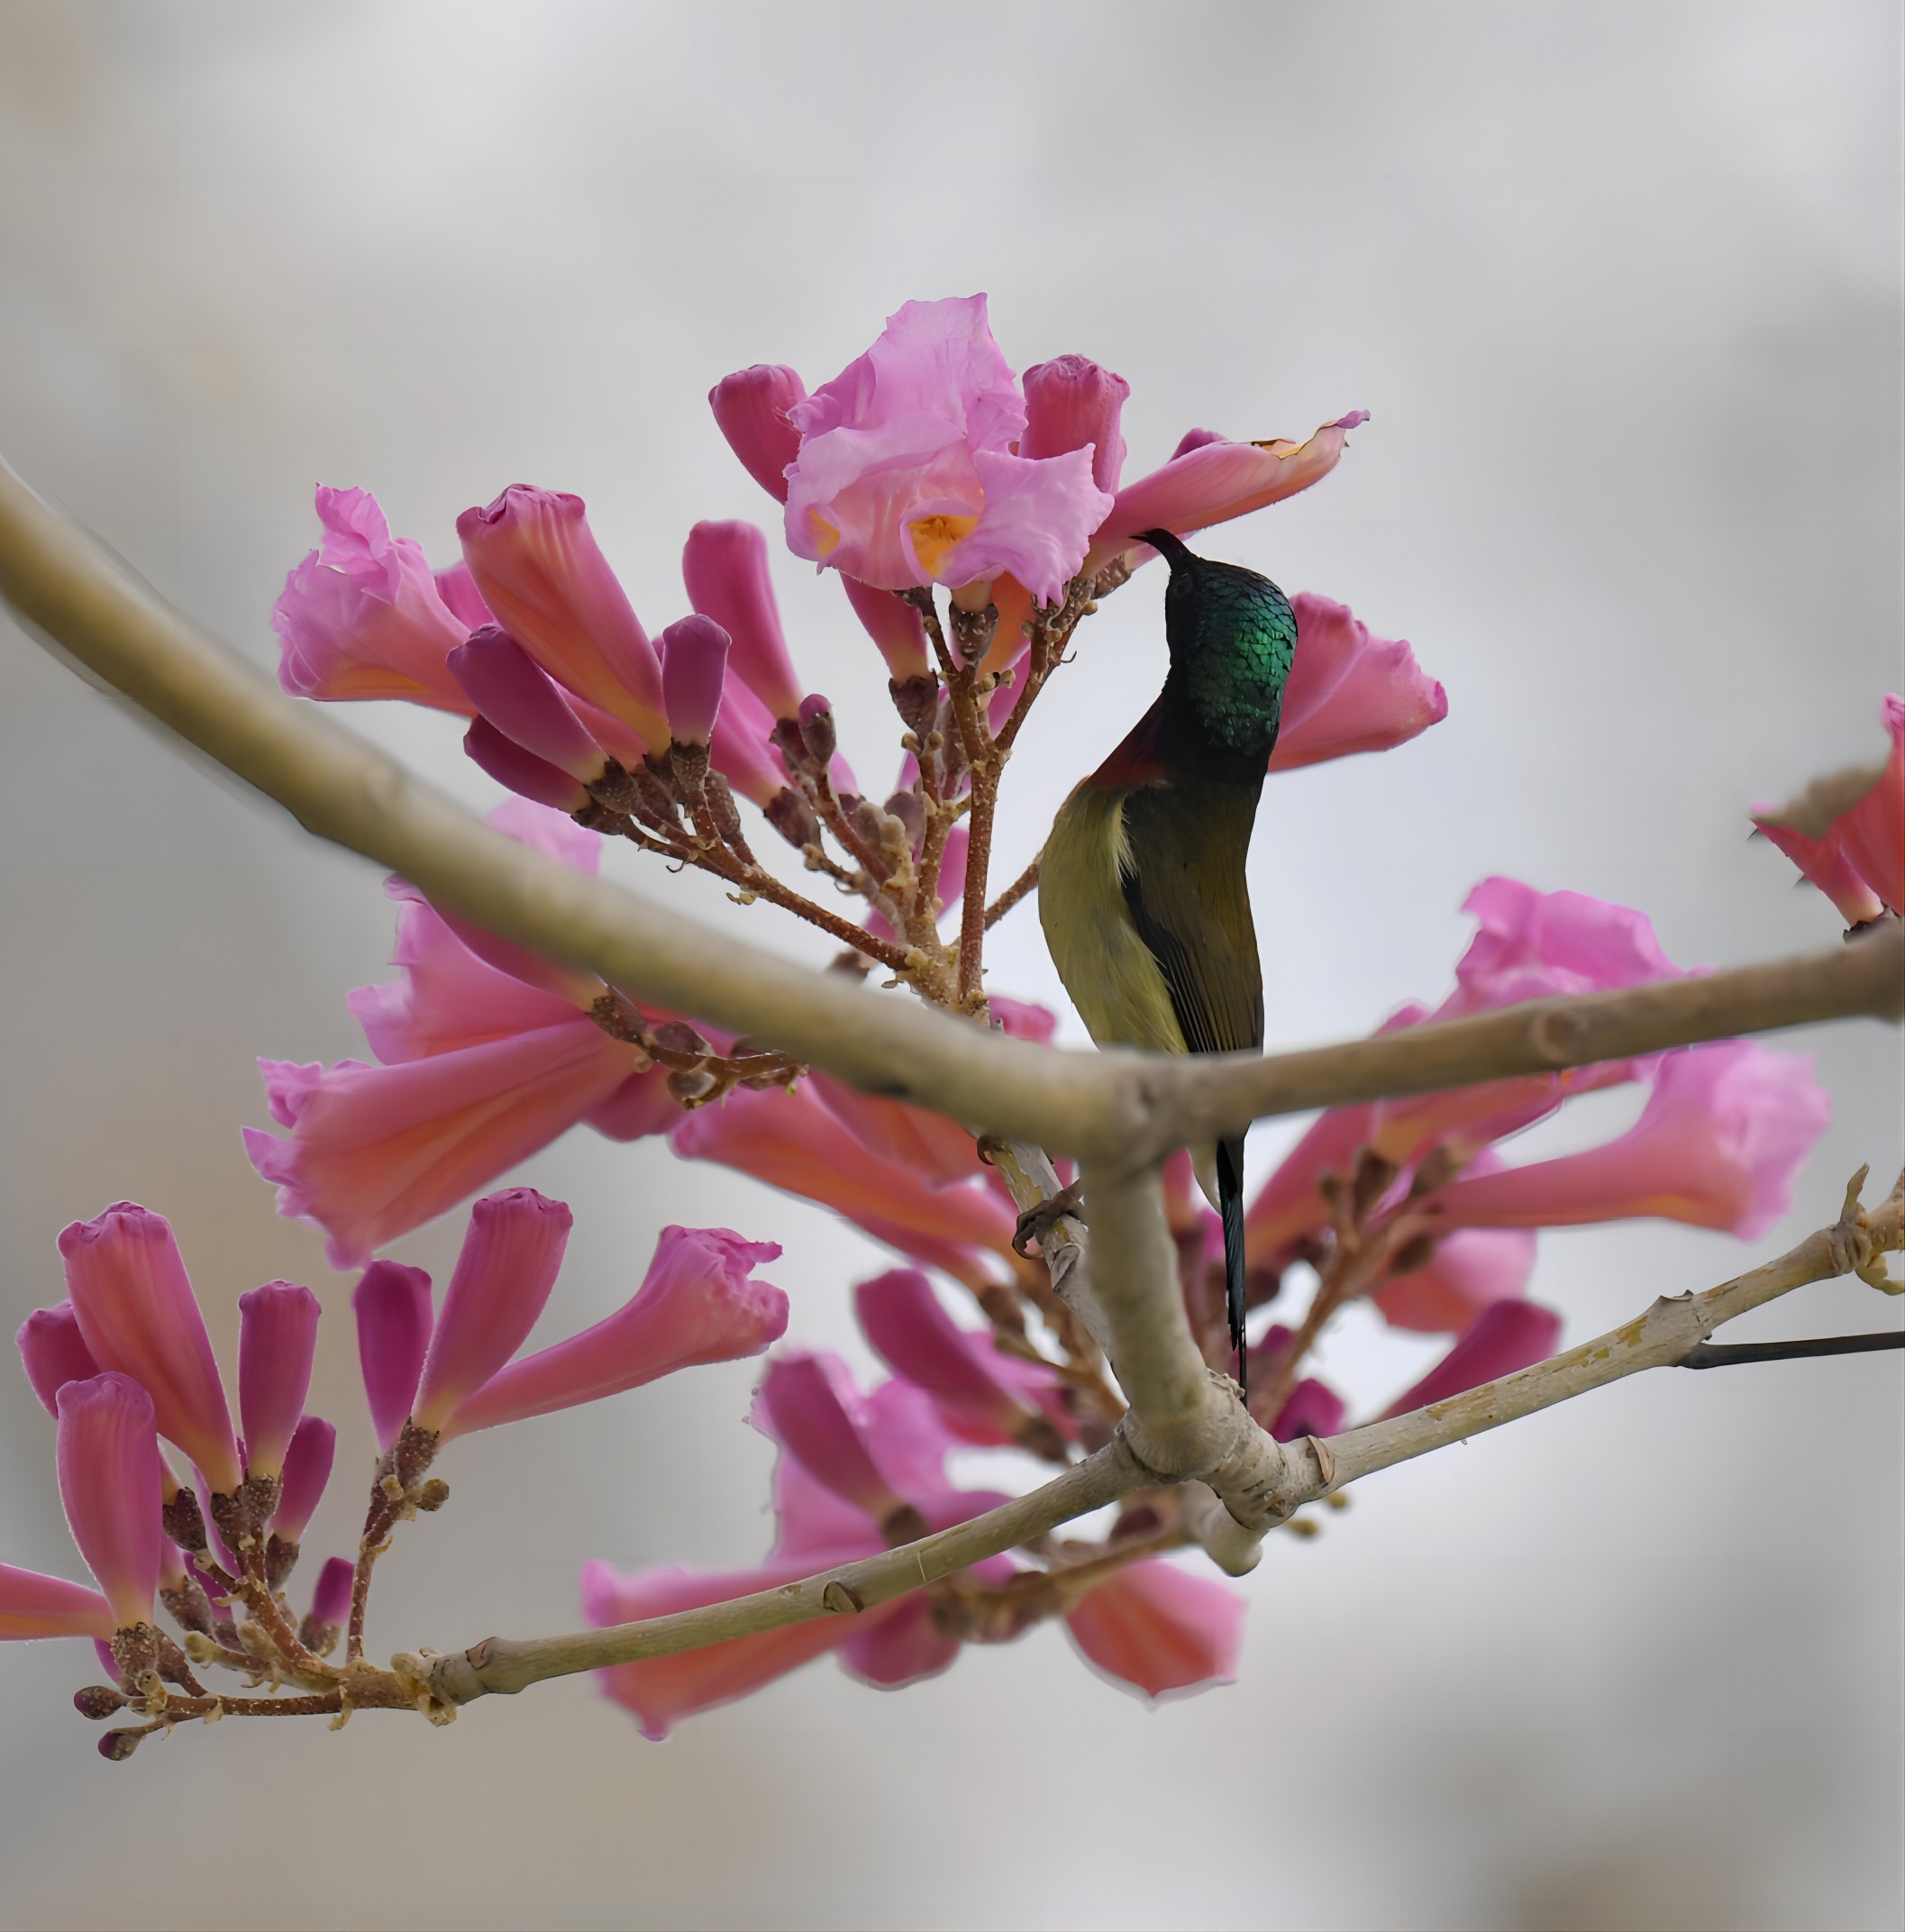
pixel 1621 287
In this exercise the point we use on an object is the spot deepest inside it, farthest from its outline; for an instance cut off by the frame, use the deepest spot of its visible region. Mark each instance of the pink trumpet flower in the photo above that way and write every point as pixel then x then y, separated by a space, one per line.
pixel 362 616
pixel 1214 480
pixel 277 1339
pixel 108 1459
pixel 725 569
pixel 1348 691
pixel 699 1303
pixel 1072 402
pixel 1159 1630
pixel 503 1273
pixel 53 1353
pixel 907 476
pixel 140 1318
pixel 1469 1272
pixel 307 1469
pixel 516 697
pixel 1847 832
pixel 895 627
pixel 693 668
pixel 1726 1129
pixel 539 568
pixel 35 1606
pixel 1506 1336
pixel 394 1320
pixel 752 408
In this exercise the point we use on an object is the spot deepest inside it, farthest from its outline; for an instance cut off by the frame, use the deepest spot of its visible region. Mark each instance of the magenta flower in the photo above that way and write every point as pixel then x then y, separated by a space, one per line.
pixel 1467 1275
pixel 35 1606
pixel 1160 1629
pixel 331 1594
pixel 308 1458
pixel 724 566
pixel 895 628
pixel 539 568
pixel 522 772
pixel 362 616
pixel 906 474
pixel 394 1320
pixel 1072 402
pixel 53 1353
pixel 1726 1129
pixel 693 668
pixel 108 1459
pixel 751 408
pixel 1313 1408
pixel 1348 691
pixel 699 1303
pixel 519 700
pixel 507 1267
pixel 140 1318
pixel 803 1403
pixel 1846 833
pixel 277 1339
pixel 1509 1334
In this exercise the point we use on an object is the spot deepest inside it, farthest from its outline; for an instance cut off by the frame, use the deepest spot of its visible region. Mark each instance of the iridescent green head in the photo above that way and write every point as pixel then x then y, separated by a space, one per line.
pixel 1233 637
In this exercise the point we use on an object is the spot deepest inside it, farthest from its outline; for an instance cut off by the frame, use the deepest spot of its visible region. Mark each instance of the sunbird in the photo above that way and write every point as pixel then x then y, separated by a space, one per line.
pixel 1141 892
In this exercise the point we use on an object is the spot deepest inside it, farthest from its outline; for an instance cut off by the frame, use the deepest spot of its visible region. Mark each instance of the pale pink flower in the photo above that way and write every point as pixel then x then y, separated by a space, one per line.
pixel 895 627
pixel 511 1253
pixel 1159 1629
pixel 308 1470
pixel 35 1606
pixel 53 1353
pixel 1348 691
pixel 362 616
pixel 751 408
pixel 394 1320
pixel 1507 1336
pixel 140 1318
pixel 539 568
pixel 108 1459
pixel 1726 1129
pixel 457 589
pixel 694 669
pixel 906 474
pixel 1072 403
pixel 1470 1271
pixel 277 1340
pixel 725 568
pixel 699 1303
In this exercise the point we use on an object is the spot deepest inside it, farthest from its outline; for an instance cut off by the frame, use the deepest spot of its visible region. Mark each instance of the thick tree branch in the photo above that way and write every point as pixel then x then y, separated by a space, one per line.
pixel 1120 1106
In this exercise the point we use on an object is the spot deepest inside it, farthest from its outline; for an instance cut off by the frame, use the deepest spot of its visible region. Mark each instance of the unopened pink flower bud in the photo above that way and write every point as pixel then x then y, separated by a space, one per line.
pixel 540 571
pixel 140 1318
pixel 35 1606
pixel 1506 1336
pixel 518 698
pixel 53 1353
pixel 521 771
pixel 1070 401
pixel 502 1277
pixel 803 1400
pixel 816 728
pixel 108 1461
pixel 331 1598
pixel 394 1319
pixel 724 566
pixel 751 407
pixel 277 1339
pixel 694 667
pixel 307 1469
pixel 894 625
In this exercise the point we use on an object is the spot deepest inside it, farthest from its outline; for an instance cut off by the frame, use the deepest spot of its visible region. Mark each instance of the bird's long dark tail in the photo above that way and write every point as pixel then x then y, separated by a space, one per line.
pixel 1230 1205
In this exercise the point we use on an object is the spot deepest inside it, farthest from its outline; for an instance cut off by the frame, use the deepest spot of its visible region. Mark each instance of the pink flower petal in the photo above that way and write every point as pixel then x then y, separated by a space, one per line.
pixel 895 628
pixel 1072 403
pixel 694 669
pixel 394 1320
pixel 1470 1271
pixel 899 1648
pixel 752 406
pixel 277 1340
pixel 53 1353
pixel 520 771
pixel 1506 1336
pixel 808 1405
pixel 1349 692
pixel 1160 1629
pixel 108 1458
pixel 331 1597
pixel 724 566
pixel 1036 523
pixel 308 1470
pixel 35 1606
pixel 521 700
pixel 1313 1408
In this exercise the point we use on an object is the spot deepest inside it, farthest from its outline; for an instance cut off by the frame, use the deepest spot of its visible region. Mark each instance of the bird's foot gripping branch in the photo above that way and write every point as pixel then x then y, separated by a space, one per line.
pixel 930 1110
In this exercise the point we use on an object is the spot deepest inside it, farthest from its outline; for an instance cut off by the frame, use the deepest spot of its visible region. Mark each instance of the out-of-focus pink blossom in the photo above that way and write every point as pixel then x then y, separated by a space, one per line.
pixel 906 474
pixel 699 1303
pixel 894 625
pixel 35 1606
pixel 1072 403
pixel 693 668
pixel 802 1403
pixel 108 1459
pixel 1846 833
pixel 1213 481
pixel 1467 1275
pixel 751 408
pixel 362 616
pixel 277 1340
pixel 1726 1129
pixel 1158 1630
pixel 503 1272
pixel 1313 1408
pixel 725 568
pixel 1290 1204
pixel 53 1353
pixel 1506 1336
pixel 394 1320
pixel 140 1318
pixel 1348 691
pixel 307 1469
pixel 539 568
pixel 519 699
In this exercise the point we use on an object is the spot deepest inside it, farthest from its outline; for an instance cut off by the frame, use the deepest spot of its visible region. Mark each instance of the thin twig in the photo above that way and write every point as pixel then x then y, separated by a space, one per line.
pixel 1023 887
